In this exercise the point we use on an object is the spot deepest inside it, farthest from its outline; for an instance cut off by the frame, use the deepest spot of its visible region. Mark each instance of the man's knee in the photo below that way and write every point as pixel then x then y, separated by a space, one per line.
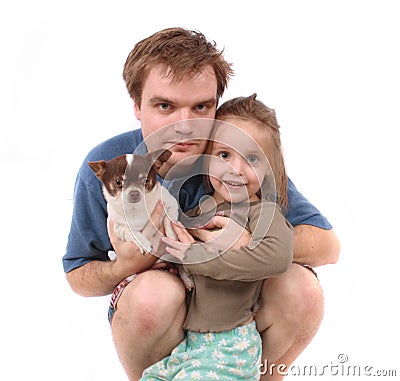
pixel 295 296
pixel 302 289
pixel 152 301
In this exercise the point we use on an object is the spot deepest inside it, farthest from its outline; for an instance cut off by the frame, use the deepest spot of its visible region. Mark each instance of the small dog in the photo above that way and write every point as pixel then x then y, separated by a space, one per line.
pixel 131 189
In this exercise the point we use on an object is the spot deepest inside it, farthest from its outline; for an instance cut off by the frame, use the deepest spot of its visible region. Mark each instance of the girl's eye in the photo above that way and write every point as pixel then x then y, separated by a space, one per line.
pixel 252 159
pixel 224 155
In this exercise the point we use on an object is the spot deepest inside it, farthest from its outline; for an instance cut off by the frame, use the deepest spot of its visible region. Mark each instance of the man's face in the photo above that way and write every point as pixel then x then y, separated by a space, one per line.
pixel 165 102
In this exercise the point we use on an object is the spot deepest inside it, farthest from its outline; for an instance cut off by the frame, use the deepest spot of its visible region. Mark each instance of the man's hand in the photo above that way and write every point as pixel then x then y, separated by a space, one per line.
pixel 222 233
pixel 153 231
pixel 129 258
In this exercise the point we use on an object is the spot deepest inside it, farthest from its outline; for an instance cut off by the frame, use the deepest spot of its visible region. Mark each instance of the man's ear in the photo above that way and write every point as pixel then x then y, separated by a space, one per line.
pixel 98 167
pixel 137 111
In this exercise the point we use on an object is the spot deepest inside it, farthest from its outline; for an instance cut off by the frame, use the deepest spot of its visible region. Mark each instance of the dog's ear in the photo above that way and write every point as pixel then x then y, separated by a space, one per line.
pixel 159 157
pixel 98 167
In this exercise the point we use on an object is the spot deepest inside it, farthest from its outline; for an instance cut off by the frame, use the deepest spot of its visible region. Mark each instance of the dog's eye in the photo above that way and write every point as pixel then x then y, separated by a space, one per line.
pixel 118 182
pixel 144 181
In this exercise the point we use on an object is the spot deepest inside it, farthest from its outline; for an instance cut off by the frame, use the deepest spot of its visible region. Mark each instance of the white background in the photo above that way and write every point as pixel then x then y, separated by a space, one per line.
pixel 330 69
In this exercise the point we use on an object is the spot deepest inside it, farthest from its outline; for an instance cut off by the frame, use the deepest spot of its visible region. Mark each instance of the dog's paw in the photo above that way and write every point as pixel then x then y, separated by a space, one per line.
pixel 120 231
pixel 142 242
pixel 189 285
pixel 169 231
pixel 186 279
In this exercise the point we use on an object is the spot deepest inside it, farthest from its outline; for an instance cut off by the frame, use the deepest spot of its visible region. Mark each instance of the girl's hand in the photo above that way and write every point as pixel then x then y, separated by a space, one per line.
pixel 222 233
pixel 178 247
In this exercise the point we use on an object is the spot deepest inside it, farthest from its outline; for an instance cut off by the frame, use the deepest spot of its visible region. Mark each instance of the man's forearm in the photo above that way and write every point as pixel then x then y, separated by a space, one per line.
pixel 315 246
pixel 93 279
pixel 99 278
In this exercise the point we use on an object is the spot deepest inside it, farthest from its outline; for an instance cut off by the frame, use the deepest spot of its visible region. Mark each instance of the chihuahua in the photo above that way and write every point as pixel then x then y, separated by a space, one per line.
pixel 131 189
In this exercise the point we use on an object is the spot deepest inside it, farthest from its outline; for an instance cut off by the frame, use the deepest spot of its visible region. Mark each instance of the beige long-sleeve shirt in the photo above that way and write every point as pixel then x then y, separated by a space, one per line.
pixel 228 282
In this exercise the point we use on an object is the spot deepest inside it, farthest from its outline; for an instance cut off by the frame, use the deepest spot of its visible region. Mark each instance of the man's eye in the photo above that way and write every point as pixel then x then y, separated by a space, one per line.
pixel 163 106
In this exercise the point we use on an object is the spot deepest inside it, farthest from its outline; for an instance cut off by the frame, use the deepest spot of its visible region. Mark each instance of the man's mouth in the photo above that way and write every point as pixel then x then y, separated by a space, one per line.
pixel 181 146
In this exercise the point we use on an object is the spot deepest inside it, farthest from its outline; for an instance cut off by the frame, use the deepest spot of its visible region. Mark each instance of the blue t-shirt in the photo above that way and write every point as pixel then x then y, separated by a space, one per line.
pixel 88 238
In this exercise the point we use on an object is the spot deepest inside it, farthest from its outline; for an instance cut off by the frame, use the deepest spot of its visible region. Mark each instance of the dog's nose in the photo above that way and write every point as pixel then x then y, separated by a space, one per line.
pixel 133 196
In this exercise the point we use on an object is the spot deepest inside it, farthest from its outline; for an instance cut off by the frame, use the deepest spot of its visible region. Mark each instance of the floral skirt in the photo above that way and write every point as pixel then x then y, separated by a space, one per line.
pixel 230 355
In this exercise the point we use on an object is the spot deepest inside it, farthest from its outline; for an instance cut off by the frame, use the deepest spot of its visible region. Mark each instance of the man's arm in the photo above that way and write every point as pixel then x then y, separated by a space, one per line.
pixel 314 246
pixel 315 242
pixel 95 278
pixel 98 278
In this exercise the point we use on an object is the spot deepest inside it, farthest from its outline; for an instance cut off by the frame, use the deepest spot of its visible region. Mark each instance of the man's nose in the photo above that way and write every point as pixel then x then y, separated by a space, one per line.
pixel 185 126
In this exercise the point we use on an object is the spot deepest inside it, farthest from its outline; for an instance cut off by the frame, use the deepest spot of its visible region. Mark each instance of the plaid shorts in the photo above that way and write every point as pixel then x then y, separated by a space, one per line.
pixel 116 295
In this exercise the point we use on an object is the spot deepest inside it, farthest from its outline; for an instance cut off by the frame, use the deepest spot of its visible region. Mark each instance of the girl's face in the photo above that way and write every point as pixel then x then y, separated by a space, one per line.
pixel 237 162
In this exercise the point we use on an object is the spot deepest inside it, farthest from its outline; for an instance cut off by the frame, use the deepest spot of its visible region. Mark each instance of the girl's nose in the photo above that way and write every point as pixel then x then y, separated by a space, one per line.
pixel 238 165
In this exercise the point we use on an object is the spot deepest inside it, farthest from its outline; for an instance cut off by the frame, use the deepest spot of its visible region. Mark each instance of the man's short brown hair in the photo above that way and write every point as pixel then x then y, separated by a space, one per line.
pixel 180 52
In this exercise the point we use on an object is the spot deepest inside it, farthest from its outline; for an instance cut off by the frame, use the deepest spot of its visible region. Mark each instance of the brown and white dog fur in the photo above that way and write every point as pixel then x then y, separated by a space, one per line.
pixel 131 189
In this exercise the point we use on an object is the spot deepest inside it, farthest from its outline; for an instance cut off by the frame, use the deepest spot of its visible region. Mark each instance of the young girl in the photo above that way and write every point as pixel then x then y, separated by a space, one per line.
pixel 246 172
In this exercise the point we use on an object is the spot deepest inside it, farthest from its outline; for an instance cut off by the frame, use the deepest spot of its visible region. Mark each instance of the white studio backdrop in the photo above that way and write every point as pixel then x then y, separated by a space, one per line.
pixel 328 68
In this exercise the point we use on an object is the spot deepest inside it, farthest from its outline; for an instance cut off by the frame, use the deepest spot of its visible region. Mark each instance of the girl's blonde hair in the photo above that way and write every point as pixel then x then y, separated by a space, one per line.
pixel 253 110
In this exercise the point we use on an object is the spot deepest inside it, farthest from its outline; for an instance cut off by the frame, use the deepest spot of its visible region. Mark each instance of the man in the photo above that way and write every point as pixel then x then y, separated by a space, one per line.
pixel 171 76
